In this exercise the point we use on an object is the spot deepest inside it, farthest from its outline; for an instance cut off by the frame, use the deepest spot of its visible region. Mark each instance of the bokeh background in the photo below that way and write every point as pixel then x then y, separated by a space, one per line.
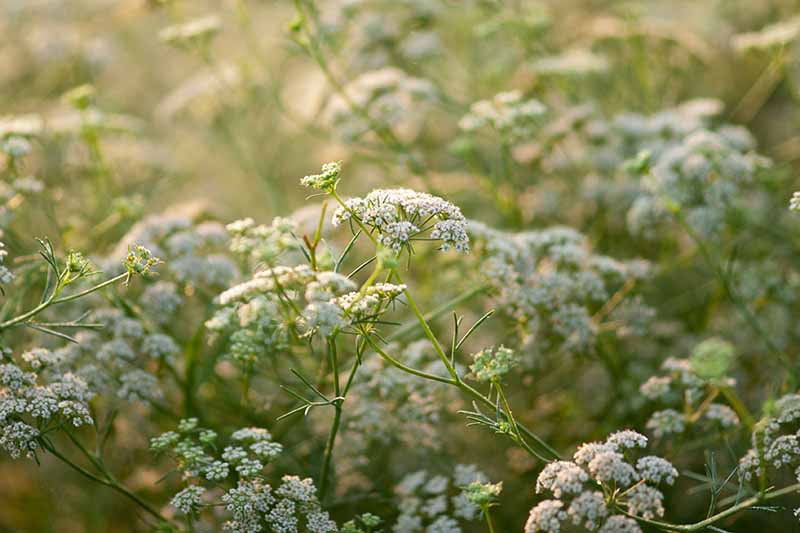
pixel 227 124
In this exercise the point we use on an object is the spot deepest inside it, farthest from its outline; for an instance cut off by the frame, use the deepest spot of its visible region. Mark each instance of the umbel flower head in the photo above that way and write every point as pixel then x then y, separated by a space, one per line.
pixel 483 495
pixel 399 216
pixel 492 363
pixel 139 260
pixel 609 466
pixel 325 180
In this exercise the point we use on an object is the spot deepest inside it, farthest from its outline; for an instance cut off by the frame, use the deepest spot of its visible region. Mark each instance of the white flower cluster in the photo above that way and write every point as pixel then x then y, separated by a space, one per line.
pixel 258 314
pixel 398 216
pixel 382 98
pixel 325 180
pixel 291 508
pixel 775 441
pixel 794 203
pixel 252 503
pixel 551 284
pixel 626 486
pixel 683 386
pixel 686 164
pixel 36 398
pixel 435 503
pixel 508 112
pixel 261 243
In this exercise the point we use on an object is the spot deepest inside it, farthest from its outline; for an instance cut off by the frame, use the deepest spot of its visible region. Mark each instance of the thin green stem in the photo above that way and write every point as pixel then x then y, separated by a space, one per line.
pixel 337 417
pixel 109 481
pixel 55 301
pixel 413 371
pixel 428 332
pixel 488 516
pixel 666 526
pixel 738 406
pixel 470 391
pixel 409 327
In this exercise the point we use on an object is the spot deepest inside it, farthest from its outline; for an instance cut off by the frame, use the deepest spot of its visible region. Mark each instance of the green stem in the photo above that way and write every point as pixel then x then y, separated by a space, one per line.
pixel 666 526
pixel 428 332
pixel 510 416
pixel 457 381
pixel 54 301
pixel 337 417
pixel 738 406
pixel 413 371
pixel 488 520
pixel 108 482
pixel 409 327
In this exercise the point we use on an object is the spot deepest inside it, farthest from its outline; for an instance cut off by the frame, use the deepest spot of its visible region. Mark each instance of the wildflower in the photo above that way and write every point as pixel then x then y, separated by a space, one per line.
pixel 588 451
pixel 794 203
pixel 160 346
pixel 326 180
pixel 560 478
pixel 666 422
pixel 234 454
pixel 249 467
pixel 39 358
pixel 546 517
pixel 139 385
pixel 620 524
pixel 493 363
pixel 324 317
pixel 266 449
pixel 645 501
pixel 296 489
pixel 15 146
pixel 656 470
pixel 722 414
pixel 164 441
pixel 385 97
pixel 611 467
pixel 588 509
pixel 483 494
pixel 139 260
pixel 18 438
pixel 626 439
pixel 398 216
pixel 188 500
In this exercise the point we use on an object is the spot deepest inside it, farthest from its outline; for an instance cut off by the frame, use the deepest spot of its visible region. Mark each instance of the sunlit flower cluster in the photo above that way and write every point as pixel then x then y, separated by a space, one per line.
pixel 626 487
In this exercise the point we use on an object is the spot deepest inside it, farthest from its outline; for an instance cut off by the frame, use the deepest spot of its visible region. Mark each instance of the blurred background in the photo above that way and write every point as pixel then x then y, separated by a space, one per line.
pixel 217 108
